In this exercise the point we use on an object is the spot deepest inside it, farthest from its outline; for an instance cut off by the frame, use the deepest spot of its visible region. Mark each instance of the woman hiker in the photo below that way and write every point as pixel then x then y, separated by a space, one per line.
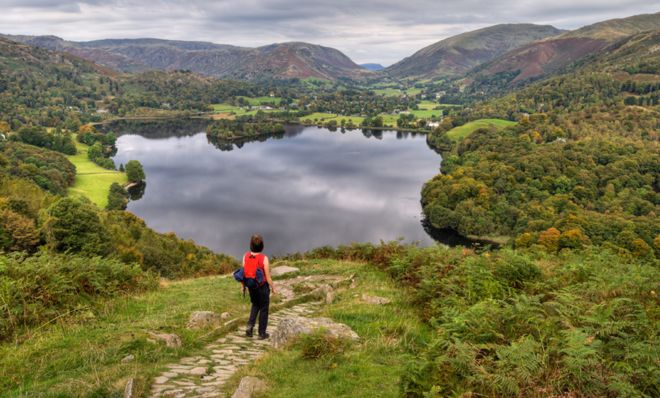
pixel 260 295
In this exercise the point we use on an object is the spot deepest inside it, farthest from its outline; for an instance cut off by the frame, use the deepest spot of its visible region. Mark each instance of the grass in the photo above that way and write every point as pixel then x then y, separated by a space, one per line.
pixel 92 180
pixel 426 114
pixel 370 368
pixel 388 92
pixel 322 117
pixel 427 105
pixel 227 111
pixel 81 356
pixel 256 101
pixel 460 132
pixel 227 108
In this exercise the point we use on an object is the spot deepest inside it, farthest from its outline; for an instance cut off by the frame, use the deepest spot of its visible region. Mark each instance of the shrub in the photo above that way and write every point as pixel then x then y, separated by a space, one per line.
pixel 42 287
pixel 322 345
pixel 19 230
pixel 550 239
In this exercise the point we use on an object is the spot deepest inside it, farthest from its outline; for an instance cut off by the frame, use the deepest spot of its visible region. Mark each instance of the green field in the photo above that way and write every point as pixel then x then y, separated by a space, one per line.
pixel 427 105
pixel 321 117
pixel 388 92
pixel 92 180
pixel 255 101
pixel 426 114
pixel 227 108
pixel 460 132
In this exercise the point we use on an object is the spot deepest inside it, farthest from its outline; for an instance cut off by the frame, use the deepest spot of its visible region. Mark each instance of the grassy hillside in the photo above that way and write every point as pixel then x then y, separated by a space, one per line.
pixel 546 57
pixel 460 132
pixel 93 181
pixel 80 355
pixel 389 335
pixel 458 54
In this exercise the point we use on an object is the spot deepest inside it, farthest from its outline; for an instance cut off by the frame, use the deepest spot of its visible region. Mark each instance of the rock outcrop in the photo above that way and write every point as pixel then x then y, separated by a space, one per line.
pixel 291 327
pixel 248 386
pixel 203 319
pixel 283 270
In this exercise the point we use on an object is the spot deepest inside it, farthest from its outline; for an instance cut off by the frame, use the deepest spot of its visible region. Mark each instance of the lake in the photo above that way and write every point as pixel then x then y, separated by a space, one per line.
pixel 308 188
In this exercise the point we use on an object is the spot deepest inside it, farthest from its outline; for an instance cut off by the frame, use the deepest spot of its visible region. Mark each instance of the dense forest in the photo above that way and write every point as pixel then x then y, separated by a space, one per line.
pixel 580 168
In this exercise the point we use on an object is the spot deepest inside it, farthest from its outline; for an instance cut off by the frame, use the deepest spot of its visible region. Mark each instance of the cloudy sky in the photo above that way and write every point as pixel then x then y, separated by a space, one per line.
pixel 381 31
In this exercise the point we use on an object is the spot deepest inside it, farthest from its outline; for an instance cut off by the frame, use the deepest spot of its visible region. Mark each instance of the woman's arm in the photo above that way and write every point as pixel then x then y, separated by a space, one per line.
pixel 268 278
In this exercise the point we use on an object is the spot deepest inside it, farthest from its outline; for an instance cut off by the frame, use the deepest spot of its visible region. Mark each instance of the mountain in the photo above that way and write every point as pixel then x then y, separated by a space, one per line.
pixel 373 67
pixel 282 60
pixel 551 55
pixel 458 54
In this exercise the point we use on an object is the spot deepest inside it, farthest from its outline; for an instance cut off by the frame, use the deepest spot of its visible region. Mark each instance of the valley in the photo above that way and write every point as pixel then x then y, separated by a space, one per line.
pixel 481 215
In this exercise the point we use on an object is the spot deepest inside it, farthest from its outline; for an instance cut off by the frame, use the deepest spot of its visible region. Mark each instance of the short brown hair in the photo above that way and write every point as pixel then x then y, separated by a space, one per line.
pixel 256 243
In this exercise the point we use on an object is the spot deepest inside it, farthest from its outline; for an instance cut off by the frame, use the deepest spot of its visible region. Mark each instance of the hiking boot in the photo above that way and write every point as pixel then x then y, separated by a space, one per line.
pixel 264 336
pixel 249 332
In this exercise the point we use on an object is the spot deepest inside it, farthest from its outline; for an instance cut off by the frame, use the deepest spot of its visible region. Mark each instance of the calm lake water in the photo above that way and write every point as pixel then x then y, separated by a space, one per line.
pixel 309 188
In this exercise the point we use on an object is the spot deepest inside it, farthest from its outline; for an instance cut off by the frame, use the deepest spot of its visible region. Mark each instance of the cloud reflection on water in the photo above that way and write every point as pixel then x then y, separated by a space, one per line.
pixel 308 189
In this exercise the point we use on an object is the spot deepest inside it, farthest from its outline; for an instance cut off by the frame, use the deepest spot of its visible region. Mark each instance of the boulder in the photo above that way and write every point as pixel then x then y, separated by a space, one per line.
pixel 248 386
pixel 375 300
pixel 170 339
pixel 291 327
pixel 282 270
pixel 325 292
pixel 203 319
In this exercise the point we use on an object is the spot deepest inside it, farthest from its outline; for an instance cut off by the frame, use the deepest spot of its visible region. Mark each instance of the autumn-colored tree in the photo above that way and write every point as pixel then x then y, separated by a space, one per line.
pixel 4 127
pixel 18 230
pixel 525 239
pixel 574 239
pixel 550 239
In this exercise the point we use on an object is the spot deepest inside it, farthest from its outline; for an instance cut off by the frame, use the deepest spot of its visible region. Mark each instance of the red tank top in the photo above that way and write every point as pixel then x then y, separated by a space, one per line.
pixel 258 257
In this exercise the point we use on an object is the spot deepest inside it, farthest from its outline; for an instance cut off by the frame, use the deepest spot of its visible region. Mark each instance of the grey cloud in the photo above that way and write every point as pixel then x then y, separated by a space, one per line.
pixel 368 31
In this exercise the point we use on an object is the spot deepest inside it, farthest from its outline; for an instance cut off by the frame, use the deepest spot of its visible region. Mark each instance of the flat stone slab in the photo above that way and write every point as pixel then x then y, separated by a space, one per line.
pixel 291 327
pixel 199 371
pixel 283 270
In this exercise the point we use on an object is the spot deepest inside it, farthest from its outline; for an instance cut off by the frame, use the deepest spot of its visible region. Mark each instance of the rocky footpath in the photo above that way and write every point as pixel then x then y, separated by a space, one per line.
pixel 205 375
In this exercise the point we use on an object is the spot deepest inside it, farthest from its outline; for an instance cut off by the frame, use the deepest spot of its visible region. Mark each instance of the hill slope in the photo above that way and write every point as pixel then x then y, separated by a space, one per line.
pixel 282 60
pixel 547 56
pixel 458 54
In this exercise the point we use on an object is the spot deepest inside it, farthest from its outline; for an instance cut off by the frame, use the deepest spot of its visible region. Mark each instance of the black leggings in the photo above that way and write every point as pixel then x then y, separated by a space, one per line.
pixel 260 298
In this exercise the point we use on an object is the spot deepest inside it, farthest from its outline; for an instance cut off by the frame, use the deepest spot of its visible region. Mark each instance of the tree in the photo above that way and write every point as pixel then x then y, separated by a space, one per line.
pixel 73 225
pixel 19 231
pixel 117 197
pixel 134 171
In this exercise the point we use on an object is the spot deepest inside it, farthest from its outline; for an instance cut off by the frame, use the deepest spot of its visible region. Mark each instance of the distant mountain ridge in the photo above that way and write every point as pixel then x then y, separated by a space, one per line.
pixel 543 57
pixel 458 54
pixel 282 60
